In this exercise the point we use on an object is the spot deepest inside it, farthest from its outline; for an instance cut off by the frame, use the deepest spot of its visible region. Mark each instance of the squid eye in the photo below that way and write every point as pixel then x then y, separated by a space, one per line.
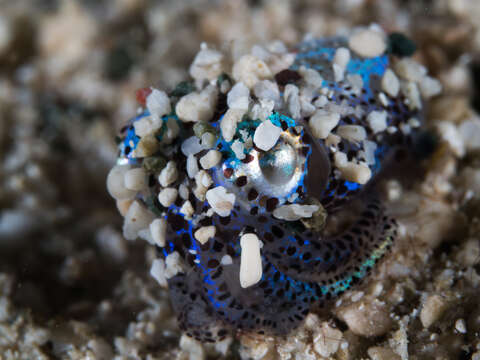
pixel 279 164
pixel 279 171
pixel 295 162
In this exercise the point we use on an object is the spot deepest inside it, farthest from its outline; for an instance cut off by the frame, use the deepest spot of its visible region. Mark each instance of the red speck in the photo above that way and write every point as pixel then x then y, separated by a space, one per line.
pixel 228 172
pixel 141 95
pixel 247 159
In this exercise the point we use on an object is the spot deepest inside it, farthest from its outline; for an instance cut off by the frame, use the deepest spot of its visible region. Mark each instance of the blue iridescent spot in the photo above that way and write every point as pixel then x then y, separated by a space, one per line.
pixel 352 186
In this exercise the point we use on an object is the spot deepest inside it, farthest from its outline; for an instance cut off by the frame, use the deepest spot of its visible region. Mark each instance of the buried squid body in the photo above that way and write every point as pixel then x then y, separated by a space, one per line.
pixel 232 180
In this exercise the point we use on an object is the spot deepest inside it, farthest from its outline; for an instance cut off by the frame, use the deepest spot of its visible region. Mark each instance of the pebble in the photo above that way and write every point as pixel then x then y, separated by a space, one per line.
pixel 258 348
pixel 340 159
pixel 167 196
pixel 277 47
pixel 307 108
pixel 193 348
pixel 393 190
pixel 238 148
pixel 226 260
pixel 414 122
pixel 267 89
pixel 168 175
pixel 136 179
pixel 138 217
pixel 369 148
pixel 100 348
pixel 353 133
pixel 145 234
pixel 381 353
pixel 173 129
pixel 356 81
pixel 210 159
pixel 392 129
pixel 342 57
pixel 6 33
pixel 260 52
pixel 263 110
pixel 293 212
pixel 429 87
pixel 390 83
pixel 249 70
pixel 111 243
pixel 228 124
pixel 338 72
pixel 192 166
pixel 278 63
pixel 358 173
pixel 197 106
pixel 460 326
pixel 203 178
pixel 220 201
pixel 191 146
pixel 158 230
pixel 357 295
pixel 406 129
pixel 340 62
pixel 208 140
pixel 147 125
pixel 366 317
pixel 116 183
pixel 205 233
pixel 367 43
pixel 123 205
pixel 411 92
pixel 157 271
pixel 183 191
pixel 147 146
pixel 383 99
pixel 410 70
pixel 377 120
pixel 326 340
pixel 266 135
pixel 469 252
pixel 238 97
pixel 187 210
pixel 16 224
pixel 450 134
pixel 208 64
pixel 250 260
pixel 321 101
pixel 292 100
pixel 470 132
pixel 158 104
pixel 225 86
pixel 432 310
pixel 311 77
pixel 173 265
pixel 200 191
pixel 322 123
